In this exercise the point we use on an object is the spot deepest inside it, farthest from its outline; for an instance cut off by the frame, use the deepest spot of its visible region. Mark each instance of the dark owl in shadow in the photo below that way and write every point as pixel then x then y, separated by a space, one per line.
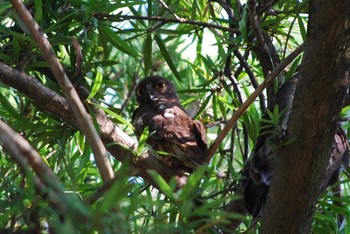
pixel 177 139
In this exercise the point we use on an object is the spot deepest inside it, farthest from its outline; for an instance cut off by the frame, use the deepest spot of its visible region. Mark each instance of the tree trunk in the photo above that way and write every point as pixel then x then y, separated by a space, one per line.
pixel 300 166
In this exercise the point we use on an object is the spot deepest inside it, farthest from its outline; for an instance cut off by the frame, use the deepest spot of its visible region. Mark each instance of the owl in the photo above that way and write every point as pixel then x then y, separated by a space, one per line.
pixel 259 170
pixel 177 139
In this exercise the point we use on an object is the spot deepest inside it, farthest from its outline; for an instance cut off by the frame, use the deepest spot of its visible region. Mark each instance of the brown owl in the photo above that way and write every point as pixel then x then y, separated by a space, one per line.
pixel 180 139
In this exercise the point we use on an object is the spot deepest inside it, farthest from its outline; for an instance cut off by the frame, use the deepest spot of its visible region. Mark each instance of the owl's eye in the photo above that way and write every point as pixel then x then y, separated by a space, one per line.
pixel 160 85
pixel 140 91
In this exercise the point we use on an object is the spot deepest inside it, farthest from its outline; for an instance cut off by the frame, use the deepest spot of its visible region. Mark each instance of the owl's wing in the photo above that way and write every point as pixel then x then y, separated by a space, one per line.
pixel 182 136
pixel 141 118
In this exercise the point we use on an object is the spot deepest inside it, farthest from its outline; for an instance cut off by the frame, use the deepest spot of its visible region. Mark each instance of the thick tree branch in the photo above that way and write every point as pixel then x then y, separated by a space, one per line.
pixel 85 124
pixel 120 145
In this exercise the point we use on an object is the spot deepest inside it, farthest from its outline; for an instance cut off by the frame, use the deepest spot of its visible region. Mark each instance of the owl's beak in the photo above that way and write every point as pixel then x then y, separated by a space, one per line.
pixel 149 94
pixel 151 97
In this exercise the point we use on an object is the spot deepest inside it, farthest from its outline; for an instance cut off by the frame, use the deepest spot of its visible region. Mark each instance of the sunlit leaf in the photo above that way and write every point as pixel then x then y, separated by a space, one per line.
pixel 97 84
pixel 167 56
pixel 116 41
pixel 147 53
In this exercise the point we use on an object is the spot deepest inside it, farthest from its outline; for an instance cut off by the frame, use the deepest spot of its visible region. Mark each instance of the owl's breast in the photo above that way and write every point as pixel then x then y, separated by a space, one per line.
pixel 168 113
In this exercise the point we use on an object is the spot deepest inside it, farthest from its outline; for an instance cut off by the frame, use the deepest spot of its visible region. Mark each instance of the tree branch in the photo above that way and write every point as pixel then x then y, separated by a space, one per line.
pixel 263 47
pixel 168 9
pixel 85 124
pixel 165 20
pixel 120 145
pixel 23 154
pixel 214 146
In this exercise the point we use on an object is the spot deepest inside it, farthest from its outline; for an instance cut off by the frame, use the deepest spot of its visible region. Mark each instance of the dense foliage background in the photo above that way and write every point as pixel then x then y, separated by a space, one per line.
pixel 216 53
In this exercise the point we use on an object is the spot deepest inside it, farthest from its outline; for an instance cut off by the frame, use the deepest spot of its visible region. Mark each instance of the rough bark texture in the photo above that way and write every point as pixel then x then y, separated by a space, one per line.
pixel 319 95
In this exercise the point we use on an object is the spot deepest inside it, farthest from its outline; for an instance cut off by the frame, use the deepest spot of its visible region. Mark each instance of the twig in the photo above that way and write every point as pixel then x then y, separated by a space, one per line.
pixel 252 97
pixel 253 16
pixel 85 123
pixel 263 47
pixel 166 20
pixel 228 73
pixel 168 9
pixel 252 78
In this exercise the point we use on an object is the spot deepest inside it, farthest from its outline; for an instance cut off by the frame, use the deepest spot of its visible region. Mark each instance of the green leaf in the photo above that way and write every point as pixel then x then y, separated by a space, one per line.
pixel 289 141
pixel 142 141
pixel 117 192
pixel 106 63
pixel 276 114
pixel 6 105
pixel 4 6
pixel 38 10
pixel 97 84
pixel 163 185
pixel 116 41
pixel 167 56
pixel 203 106
pixel 192 183
pixel 147 53
pixel 243 23
pixel 113 114
pixel 226 102
pixel 302 27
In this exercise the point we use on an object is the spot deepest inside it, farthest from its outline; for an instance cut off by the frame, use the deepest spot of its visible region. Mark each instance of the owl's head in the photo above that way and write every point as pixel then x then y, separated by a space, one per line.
pixel 154 89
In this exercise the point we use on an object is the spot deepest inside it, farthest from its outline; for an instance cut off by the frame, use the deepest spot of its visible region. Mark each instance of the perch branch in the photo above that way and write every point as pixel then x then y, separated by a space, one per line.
pixel 120 145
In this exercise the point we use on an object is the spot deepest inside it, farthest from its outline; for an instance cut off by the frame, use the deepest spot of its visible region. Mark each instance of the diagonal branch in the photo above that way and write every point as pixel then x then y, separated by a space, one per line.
pixel 168 9
pixel 85 124
pixel 23 154
pixel 251 99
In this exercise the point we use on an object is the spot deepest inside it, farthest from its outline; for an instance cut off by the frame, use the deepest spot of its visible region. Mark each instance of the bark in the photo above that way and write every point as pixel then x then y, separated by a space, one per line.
pixel 300 166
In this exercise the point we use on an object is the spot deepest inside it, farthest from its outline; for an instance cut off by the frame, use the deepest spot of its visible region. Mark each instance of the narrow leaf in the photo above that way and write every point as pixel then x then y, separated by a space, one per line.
pixel 97 84
pixel 147 53
pixel 142 140
pixel 113 114
pixel 116 41
pixel 203 107
pixel 302 27
pixel 167 56
pixel 163 185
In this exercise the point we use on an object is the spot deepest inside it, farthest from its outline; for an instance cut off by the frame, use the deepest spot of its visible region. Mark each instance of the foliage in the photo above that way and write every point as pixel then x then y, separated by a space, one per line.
pixel 122 42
